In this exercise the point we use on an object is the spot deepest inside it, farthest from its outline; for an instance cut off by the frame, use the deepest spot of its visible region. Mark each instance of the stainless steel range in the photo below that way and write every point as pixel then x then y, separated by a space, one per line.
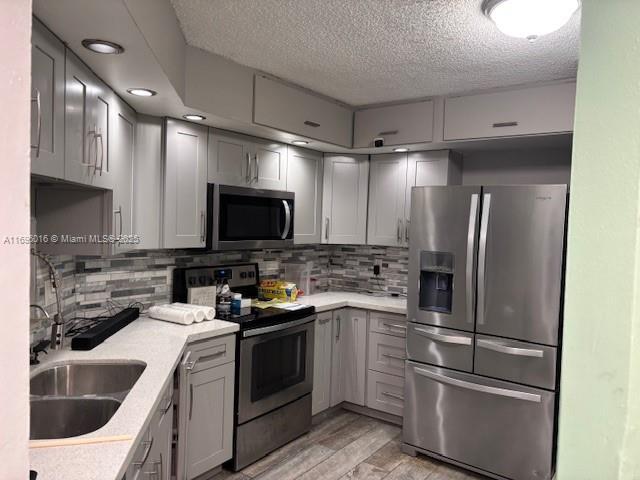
pixel 274 364
pixel 484 309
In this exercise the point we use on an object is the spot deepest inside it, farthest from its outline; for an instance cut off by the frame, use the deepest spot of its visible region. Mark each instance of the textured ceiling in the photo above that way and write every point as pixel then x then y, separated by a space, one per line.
pixel 372 51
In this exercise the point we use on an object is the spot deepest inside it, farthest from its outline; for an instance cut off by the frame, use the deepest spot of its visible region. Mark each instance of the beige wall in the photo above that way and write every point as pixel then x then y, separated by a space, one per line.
pixel 15 79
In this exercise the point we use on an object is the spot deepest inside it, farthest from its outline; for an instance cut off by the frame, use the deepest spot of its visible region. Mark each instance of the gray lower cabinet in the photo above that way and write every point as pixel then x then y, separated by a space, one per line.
pixel 205 419
pixel 321 396
pixel 47 104
pixel 348 370
pixel 185 185
pixel 304 178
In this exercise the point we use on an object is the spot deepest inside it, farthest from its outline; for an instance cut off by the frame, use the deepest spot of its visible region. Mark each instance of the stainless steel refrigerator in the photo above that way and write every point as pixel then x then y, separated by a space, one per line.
pixel 484 310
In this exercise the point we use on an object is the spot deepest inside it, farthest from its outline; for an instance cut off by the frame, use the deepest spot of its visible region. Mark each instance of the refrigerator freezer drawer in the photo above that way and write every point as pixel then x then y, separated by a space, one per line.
pixel 440 346
pixel 514 361
pixel 500 427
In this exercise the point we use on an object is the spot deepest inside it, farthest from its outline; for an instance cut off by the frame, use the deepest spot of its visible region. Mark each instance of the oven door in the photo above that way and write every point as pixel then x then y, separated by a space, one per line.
pixel 276 367
pixel 249 218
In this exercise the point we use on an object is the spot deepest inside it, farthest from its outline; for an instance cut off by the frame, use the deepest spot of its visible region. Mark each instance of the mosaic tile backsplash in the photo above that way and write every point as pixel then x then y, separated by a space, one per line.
pixel 95 285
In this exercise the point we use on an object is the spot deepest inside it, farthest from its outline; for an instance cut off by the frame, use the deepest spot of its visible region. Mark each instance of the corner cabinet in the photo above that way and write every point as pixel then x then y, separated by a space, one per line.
pixel 245 161
pixel 348 359
pixel 344 199
pixel 47 103
pixel 321 395
pixel 393 175
pixel 185 185
pixel 304 178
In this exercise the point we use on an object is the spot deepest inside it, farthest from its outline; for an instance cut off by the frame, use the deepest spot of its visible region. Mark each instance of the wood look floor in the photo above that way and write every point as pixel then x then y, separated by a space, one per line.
pixel 347 446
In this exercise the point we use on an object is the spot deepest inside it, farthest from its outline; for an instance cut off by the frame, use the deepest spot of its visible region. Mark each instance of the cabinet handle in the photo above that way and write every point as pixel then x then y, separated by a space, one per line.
pixel 190 400
pixel 166 408
pixel 407 225
pixel 99 138
pixel 311 124
pixel 257 175
pixel 399 231
pixel 391 326
pixel 326 229
pixel 202 230
pixel 89 164
pixel 155 473
pixel 119 213
pixel 339 326
pixel 38 103
pixel 505 124
pixel 388 132
pixel 247 177
pixel 393 395
pixel 147 449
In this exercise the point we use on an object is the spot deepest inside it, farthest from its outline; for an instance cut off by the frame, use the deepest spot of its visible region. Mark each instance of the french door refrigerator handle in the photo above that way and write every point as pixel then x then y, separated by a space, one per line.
pixel 498 347
pixel 503 392
pixel 438 337
pixel 287 220
pixel 471 242
pixel 482 254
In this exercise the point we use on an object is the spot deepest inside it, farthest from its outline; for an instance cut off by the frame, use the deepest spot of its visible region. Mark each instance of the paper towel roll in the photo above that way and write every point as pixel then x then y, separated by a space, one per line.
pixel 209 312
pixel 174 315
pixel 199 314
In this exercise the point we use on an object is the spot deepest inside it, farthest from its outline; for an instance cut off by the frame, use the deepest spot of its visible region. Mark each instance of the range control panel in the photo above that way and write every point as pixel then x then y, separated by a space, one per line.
pixel 236 275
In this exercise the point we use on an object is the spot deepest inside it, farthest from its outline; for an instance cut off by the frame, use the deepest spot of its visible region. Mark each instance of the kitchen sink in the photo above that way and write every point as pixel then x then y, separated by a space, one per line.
pixel 76 379
pixel 77 398
pixel 69 417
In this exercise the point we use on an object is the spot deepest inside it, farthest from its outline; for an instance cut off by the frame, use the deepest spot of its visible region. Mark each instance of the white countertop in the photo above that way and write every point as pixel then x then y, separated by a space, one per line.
pixel 160 345
pixel 332 300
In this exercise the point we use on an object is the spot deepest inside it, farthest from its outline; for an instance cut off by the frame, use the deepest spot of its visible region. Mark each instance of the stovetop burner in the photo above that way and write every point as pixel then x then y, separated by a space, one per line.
pixel 265 317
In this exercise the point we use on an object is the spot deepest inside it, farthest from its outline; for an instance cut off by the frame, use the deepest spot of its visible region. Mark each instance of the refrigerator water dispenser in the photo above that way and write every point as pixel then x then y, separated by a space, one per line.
pixel 436 281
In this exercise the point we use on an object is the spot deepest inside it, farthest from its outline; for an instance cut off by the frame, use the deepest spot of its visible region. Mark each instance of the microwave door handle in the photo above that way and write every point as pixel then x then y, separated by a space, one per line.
pixel 287 220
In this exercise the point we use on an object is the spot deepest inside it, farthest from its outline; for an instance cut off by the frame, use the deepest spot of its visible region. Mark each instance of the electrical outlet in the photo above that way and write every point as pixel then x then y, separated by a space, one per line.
pixel 377 267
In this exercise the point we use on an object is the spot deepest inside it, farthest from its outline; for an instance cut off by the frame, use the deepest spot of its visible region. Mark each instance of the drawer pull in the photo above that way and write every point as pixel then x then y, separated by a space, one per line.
pixel 388 132
pixel 505 124
pixel 391 355
pixel 393 395
pixel 145 455
pixel 391 326
pixel 454 339
pixel 503 392
pixel 219 354
pixel 311 124
pixel 166 408
pixel 500 348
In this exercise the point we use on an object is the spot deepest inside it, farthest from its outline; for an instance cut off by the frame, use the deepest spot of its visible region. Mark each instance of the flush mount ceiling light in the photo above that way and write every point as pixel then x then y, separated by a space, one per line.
pixel 194 116
pixel 529 19
pixel 141 92
pixel 102 46
pixel 300 142
pixel 401 149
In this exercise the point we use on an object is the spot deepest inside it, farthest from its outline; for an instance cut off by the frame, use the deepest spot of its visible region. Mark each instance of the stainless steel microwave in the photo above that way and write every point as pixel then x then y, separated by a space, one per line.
pixel 245 218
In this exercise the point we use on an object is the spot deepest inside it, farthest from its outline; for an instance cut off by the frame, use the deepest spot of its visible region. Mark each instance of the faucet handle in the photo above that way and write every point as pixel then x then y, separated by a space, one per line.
pixel 39 347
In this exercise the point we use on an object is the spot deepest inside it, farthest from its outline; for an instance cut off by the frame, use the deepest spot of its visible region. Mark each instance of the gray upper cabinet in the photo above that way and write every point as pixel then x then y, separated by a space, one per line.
pixel 185 185
pixel 396 124
pixel 245 161
pixel 525 111
pixel 122 143
pixel 47 107
pixel 304 178
pixel 87 125
pixel 297 111
pixel 387 192
pixel 344 199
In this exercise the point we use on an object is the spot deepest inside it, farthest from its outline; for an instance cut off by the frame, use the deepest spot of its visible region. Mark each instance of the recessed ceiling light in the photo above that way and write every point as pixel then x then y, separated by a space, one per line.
pixel 141 92
pixel 529 19
pixel 193 116
pixel 102 46
pixel 299 142
pixel 400 149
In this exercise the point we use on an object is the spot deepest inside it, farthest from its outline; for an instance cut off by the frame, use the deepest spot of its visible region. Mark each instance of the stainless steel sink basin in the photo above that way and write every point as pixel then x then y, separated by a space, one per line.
pixel 75 379
pixel 69 417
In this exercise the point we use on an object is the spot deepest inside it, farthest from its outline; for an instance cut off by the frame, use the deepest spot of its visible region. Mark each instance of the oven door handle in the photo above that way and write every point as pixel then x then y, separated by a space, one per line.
pixel 277 328
pixel 287 220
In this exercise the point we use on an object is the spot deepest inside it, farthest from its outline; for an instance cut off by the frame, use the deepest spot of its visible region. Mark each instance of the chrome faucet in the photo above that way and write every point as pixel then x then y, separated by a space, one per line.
pixel 57 327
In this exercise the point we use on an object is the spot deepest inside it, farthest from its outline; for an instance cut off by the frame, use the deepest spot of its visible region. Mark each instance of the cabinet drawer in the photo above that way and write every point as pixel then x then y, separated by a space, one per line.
pixel 385 392
pixel 387 354
pixel 526 111
pixel 440 346
pixel 483 419
pixel 293 110
pixel 397 124
pixel 519 362
pixel 210 353
pixel 388 323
